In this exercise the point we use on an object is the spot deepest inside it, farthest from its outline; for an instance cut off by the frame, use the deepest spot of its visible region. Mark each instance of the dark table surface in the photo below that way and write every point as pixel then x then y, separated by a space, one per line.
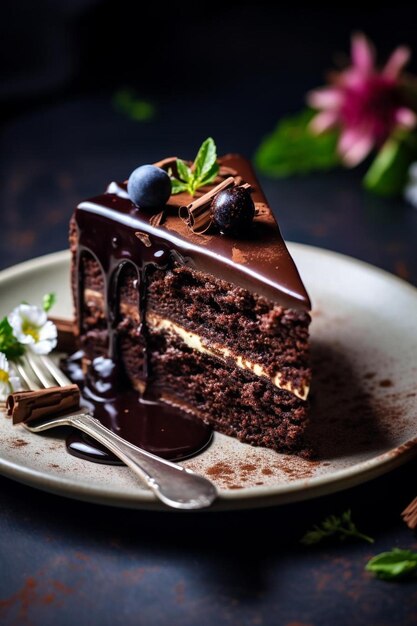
pixel 66 562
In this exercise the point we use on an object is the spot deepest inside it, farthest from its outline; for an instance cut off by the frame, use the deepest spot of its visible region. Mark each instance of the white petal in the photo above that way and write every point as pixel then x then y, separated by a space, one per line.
pixel 48 331
pixel 15 320
pixel 34 315
pixel 43 347
pixel 4 363
pixel 4 391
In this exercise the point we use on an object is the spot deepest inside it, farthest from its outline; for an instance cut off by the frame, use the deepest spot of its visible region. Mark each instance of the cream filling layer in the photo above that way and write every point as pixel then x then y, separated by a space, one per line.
pixel 195 342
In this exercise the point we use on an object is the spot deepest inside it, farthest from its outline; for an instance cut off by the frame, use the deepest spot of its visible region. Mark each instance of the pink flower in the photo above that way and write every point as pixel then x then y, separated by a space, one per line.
pixel 365 103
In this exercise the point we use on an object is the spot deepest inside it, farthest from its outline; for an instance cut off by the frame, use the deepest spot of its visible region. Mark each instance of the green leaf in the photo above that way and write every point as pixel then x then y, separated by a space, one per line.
pixel 48 301
pixel 211 175
pixel 8 342
pixel 332 526
pixel 392 565
pixel 184 172
pixel 177 186
pixel 205 159
pixel 137 109
pixel 388 173
pixel 292 148
pixel 204 171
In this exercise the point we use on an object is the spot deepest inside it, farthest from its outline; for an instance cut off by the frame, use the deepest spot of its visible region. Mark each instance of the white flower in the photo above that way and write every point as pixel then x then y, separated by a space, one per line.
pixel 9 382
pixel 32 328
pixel 410 191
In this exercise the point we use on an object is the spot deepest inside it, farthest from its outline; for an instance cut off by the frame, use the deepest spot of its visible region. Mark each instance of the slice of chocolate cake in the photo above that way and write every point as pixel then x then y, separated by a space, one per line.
pixel 215 324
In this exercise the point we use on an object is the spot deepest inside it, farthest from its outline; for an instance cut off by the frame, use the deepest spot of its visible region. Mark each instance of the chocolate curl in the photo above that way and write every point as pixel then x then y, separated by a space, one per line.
pixel 409 515
pixel 197 215
pixel 27 406
pixel 157 219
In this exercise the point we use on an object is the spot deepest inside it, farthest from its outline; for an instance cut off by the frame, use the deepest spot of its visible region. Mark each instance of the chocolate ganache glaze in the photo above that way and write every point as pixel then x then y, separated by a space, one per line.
pixel 115 232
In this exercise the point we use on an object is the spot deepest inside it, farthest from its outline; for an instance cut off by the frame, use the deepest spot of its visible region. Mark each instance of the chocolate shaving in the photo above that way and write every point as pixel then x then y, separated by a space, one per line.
pixel 144 238
pixel 225 171
pixel 409 515
pixel 27 406
pixel 157 219
pixel 197 215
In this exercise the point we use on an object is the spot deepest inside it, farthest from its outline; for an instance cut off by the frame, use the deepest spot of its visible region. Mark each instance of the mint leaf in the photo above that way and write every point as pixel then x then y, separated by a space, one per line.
pixel 48 301
pixel 203 172
pixel 393 565
pixel 205 159
pixel 184 171
pixel 388 173
pixel 332 526
pixel 292 148
pixel 177 186
pixel 8 342
pixel 211 175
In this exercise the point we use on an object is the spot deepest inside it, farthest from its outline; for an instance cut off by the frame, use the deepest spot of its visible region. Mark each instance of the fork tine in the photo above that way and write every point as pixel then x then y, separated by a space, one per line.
pixel 54 371
pixel 33 363
pixel 29 380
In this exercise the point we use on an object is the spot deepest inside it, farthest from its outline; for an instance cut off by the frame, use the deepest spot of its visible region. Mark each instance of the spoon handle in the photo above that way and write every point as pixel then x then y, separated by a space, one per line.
pixel 173 484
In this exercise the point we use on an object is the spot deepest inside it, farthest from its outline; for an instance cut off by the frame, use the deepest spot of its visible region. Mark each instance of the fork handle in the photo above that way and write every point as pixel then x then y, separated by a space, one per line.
pixel 173 484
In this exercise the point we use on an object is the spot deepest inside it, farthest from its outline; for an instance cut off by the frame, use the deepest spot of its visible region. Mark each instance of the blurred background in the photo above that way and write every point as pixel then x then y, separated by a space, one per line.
pixel 93 88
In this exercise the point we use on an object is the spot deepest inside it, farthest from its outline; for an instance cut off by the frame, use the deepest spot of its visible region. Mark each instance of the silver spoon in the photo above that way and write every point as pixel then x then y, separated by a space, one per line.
pixel 173 484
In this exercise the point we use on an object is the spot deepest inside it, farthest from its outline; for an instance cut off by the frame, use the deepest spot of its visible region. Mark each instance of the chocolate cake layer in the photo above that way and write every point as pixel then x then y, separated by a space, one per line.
pixel 239 326
pixel 246 406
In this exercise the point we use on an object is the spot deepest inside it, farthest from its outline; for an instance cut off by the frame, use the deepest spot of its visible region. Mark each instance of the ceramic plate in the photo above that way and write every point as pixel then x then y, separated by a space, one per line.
pixel 364 402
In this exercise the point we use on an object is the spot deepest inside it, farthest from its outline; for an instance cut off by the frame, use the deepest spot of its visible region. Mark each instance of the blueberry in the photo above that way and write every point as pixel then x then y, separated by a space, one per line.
pixel 232 210
pixel 149 186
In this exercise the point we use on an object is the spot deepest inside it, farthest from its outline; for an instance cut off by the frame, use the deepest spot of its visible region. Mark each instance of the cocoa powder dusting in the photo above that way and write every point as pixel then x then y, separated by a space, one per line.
pixel 32 594
pixel 347 414
pixel 248 467
pixel 220 470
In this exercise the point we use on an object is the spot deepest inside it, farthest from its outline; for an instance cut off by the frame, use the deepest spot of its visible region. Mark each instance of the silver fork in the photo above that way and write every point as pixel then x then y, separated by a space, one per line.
pixel 173 484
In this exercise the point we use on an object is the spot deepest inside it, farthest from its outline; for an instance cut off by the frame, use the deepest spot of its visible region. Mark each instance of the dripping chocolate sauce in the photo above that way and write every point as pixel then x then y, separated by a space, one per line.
pixel 149 424
pixel 107 393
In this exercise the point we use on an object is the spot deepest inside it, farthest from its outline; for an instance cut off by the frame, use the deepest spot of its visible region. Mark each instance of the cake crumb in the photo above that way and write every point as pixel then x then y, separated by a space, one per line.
pixel 238 256
pixel 386 383
pixel 19 443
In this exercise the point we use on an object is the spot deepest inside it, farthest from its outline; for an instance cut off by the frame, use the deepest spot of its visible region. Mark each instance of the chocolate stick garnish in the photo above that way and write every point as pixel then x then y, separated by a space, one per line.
pixel 66 334
pixel 27 406
pixel 197 215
